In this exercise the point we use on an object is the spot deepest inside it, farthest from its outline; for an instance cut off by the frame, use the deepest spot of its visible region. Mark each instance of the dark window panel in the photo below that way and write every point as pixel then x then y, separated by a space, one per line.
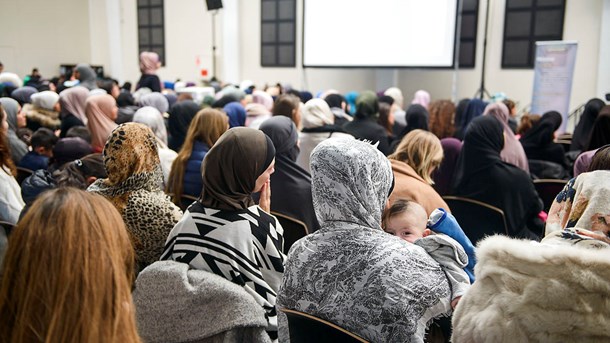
pixel 268 55
pixel 518 24
pixel 470 5
pixel 286 55
pixel 516 53
pixel 467 54
pixel 156 2
pixel 268 32
pixel 550 2
pixel 286 32
pixel 156 35
pixel 143 17
pixel 286 9
pixel 268 10
pixel 549 23
pixel 469 26
pixel 156 16
pixel 144 36
pixel 142 2
pixel 519 3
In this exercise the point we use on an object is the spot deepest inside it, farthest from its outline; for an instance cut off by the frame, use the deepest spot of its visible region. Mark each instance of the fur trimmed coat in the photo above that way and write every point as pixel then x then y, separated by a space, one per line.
pixel 535 292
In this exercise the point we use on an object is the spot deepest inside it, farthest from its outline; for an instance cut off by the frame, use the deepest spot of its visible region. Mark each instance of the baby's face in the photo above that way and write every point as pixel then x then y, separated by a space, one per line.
pixel 409 225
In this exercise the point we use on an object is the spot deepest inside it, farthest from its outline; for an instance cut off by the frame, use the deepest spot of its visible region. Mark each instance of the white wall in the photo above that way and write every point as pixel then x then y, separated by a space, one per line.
pixel 43 34
pixel 603 71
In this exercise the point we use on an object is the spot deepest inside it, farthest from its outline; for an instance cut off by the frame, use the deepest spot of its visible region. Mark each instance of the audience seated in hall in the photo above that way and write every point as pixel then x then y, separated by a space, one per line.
pixel 318 156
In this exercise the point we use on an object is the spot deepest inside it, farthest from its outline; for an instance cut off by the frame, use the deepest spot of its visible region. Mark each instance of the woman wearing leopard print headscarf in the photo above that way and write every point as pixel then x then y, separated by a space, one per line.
pixel 134 186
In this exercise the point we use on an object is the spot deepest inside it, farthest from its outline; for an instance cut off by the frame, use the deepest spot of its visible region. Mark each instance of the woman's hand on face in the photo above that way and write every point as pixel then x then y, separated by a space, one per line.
pixel 265 198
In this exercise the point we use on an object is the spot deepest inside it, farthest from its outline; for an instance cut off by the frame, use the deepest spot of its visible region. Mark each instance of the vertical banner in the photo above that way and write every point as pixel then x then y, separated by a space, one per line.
pixel 553 74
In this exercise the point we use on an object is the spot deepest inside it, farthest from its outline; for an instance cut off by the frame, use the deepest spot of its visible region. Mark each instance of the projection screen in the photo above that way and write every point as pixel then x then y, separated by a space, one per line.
pixel 379 33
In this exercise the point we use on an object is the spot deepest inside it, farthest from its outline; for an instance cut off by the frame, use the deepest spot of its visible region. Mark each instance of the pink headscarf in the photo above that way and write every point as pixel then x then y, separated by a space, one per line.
pixel 421 98
pixel 263 98
pixel 72 101
pixel 512 152
pixel 101 113
pixel 149 62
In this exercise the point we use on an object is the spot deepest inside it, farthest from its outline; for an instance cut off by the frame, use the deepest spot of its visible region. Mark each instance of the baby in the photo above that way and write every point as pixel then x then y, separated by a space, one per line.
pixel 446 244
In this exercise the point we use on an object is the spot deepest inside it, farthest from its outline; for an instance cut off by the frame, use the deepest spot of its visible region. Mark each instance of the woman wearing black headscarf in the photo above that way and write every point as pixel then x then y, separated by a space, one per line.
pixel 473 109
pixel 538 141
pixel 290 183
pixel 482 175
pixel 225 232
pixel 582 131
pixel 417 119
pixel 180 117
pixel 457 120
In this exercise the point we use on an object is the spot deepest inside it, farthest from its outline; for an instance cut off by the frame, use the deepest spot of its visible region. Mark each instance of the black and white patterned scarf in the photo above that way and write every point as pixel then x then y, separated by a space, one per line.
pixel 243 246
pixel 351 272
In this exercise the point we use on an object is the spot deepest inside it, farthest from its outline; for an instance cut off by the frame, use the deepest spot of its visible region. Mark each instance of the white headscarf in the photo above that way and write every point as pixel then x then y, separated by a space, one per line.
pixel 396 94
pixel 152 118
pixel 46 99
pixel 316 113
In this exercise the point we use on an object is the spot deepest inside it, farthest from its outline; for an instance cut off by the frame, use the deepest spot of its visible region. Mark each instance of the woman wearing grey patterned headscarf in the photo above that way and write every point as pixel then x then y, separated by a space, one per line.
pixel 350 272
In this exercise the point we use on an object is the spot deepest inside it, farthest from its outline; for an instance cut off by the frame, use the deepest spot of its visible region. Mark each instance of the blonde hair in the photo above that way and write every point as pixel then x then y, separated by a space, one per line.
pixel 68 273
pixel 207 126
pixel 419 149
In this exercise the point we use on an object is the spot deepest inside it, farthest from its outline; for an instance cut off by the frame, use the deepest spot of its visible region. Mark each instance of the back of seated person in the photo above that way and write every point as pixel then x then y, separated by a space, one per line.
pixel 175 303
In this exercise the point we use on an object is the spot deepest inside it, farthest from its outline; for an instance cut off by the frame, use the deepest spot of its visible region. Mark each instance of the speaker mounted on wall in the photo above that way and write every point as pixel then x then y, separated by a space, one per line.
pixel 214 4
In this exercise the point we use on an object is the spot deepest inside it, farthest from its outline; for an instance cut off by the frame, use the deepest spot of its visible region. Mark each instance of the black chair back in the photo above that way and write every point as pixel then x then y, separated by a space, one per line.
pixel 548 189
pixel 294 229
pixel 476 218
pixel 305 328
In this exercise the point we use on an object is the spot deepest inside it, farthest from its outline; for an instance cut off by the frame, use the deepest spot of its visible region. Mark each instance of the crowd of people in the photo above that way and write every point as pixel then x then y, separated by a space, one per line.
pixel 148 214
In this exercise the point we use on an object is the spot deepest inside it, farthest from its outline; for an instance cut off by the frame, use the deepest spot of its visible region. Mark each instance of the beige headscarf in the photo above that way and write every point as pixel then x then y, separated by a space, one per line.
pixel 231 167
pixel 316 113
pixel 72 101
pixel 100 118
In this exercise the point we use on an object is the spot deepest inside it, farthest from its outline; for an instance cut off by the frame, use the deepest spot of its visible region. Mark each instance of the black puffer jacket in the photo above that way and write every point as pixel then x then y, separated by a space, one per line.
pixel 40 181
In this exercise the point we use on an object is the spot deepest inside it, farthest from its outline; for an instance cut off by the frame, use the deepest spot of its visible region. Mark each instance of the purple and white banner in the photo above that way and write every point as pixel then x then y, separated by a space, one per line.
pixel 553 74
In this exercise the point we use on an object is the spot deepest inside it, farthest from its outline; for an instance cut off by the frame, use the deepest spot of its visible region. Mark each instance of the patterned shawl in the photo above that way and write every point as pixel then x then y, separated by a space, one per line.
pixel 134 187
pixel 583 204
pixel 350 272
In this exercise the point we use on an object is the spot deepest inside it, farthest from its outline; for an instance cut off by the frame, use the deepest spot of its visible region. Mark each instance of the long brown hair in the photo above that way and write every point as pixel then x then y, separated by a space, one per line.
pixel 68 273
pixel 420 150
pixel 384 117
pixel 207 126
pixel 442 114
pixel 5 153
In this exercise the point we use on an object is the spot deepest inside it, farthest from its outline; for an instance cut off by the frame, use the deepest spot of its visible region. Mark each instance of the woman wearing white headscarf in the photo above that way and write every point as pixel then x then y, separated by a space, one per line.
pixel 318 125
pixel 152 118
pixel 350 272
pixel 43 112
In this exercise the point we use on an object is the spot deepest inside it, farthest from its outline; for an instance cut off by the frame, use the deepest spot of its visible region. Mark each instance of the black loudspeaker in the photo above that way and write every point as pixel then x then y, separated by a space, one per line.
pixel 214 4
pixel 607 96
